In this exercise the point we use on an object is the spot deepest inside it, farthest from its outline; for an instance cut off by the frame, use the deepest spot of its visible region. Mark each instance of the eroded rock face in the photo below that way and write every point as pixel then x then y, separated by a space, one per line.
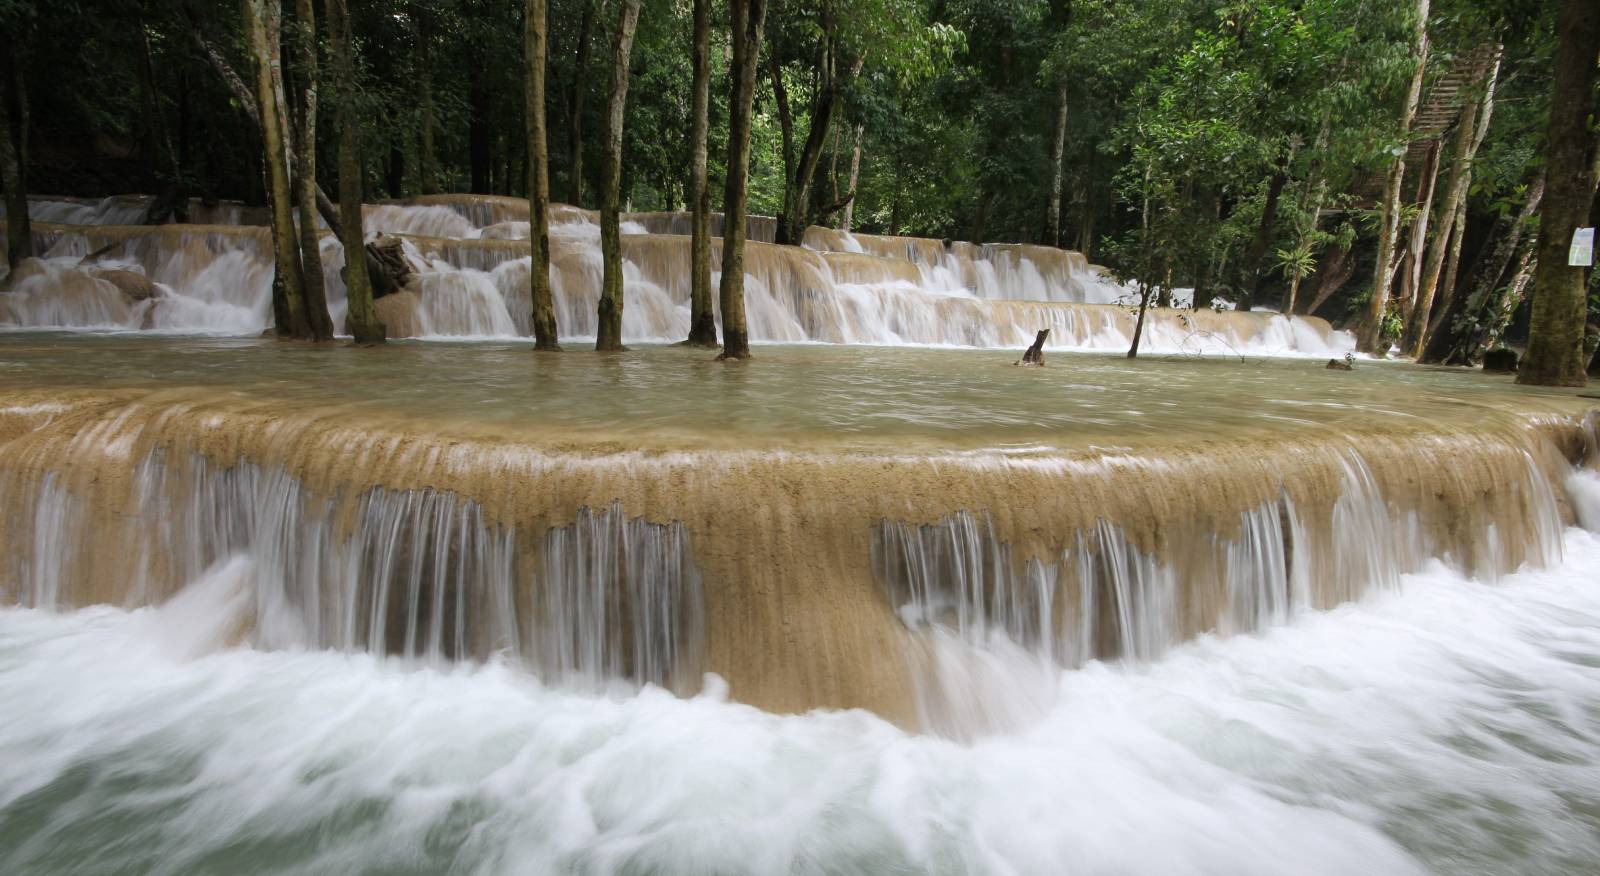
pixel 400 314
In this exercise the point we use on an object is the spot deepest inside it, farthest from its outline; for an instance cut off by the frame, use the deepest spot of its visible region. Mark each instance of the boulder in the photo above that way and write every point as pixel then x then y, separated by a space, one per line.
pixel 135 285
pixel 1340 365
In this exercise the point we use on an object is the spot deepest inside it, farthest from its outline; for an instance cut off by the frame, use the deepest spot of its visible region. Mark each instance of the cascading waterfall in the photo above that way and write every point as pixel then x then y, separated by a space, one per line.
pixel 839 288
pixel 983 616
pixel 419 574
pixel 366 533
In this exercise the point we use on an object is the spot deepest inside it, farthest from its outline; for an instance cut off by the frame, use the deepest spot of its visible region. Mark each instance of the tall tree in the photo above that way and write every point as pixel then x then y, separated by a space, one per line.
pixel 318 324
pixel 534 46
pixel 702 321
pixel 575 94
pixel 746 20
pixel 608 335
pixel 263 19
pixel 14 154
pixel 1370 332
pixel 428 163
pixel 361 319
pixel 1555 334
pixel 1471 128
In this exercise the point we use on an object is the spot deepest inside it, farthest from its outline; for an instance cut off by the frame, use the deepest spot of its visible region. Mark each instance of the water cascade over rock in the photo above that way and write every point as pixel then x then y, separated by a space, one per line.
pixel 470 255
pixel 940 587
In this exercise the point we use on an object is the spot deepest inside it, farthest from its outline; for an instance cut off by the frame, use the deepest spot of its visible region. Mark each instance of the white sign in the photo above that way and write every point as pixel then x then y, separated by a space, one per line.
pixel 1581 255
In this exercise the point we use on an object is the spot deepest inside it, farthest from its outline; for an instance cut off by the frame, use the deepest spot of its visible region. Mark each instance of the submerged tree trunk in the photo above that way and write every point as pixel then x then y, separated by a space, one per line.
pixel 1057 148
pixel 318 324
pixel 13 160
pixel 288 299
pixel 1555 334
pixel 361 319
pixel 702 321
pixel 535 47
pixel 580 87
pixel 608 335
pixel 1370 329
pixel 1469 133
pixel 1465 328
pixel 746 20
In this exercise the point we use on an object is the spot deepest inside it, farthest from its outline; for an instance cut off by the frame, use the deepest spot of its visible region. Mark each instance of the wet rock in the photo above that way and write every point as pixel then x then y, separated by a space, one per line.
pixel 136 286
pixel 1340 365
pixel 29 267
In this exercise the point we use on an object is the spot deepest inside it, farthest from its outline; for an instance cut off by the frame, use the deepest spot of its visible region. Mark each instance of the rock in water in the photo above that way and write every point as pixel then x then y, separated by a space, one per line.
pixel 1340 365
pixel 132 284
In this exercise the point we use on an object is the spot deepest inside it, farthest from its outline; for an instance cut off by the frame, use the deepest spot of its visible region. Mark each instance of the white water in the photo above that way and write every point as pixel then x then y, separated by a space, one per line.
pixel 1450 726
pixel 217 284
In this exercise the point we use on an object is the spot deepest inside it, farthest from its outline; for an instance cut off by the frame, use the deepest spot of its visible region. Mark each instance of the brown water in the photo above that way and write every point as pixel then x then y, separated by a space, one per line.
pixel 801 397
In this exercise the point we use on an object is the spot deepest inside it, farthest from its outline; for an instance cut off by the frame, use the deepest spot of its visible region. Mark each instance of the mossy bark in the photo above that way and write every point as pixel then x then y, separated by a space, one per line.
pixel 702 321
pixel 747 18
pixel 361 320
pixel 535 46
pixel 14 163
pixel 263 19
pixel 608 335
pixel 1555 334
pixel 318 323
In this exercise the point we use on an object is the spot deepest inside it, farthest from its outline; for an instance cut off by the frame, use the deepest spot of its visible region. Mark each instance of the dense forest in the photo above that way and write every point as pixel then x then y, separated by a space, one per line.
pixel 1385 164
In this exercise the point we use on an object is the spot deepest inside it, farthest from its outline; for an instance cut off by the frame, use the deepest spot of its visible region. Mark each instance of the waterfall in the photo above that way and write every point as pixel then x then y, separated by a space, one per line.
pixel 945 590
pixel 838 288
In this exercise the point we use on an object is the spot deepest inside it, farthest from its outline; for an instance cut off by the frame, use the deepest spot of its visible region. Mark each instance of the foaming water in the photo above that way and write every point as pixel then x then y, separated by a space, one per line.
pixel 1445 726
pixel 469 262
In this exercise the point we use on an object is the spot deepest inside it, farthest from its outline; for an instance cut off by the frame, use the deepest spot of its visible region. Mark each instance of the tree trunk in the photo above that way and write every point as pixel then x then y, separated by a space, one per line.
pixel 1058 148
pixel 1555 334
pixel 427 161
pixel 288 299
pixel 780 100
pixel 384 274
pixel 1335 273
pixel 1426 185
pixel 480 159
pixel 1256 255
pixel 747 17
pixel 1469 133
pixel 361 319
pixel 1461 330
pixel 394 168
pixel 702 319
pixel 318 324
pixel 534 49
pixel 1370 328
pixel 1145 289
pixel 855 178
pixel 609 334
pixel 580 87
pixel 164 165
pixel 13 161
